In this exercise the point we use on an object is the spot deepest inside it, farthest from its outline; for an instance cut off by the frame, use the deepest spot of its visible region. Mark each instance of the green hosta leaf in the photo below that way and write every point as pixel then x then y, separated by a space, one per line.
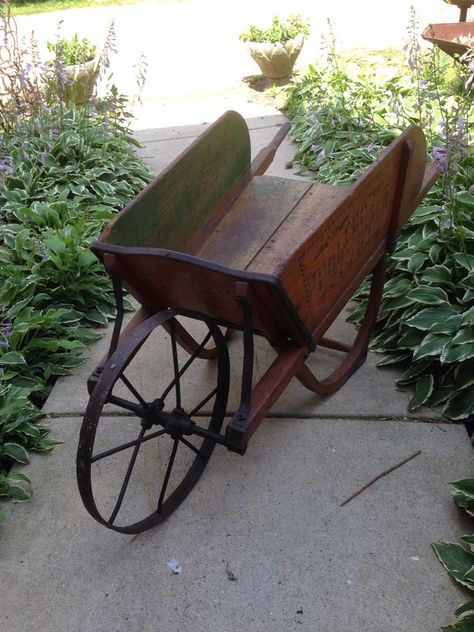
pixel 440 395
pixel 12 358
pixel 423 390
pixel 55 243
pixel 414 371
pixel 469 576
pixel 465 608
pixel 87 258
pixel 416 261
pixel 456 560
pixel 19 476
pixel 469 539
pixel 465 198
pixel 411 339
pixel 434 253
pixel 394 358
pixel 15 452
pixel 427 295
pixel 464 374
pixel 96 316
pixel 18 494
pixel 397 302
pixel 440 275
pixel 468 317
pixel 396 287
pixel 463 500
pixel 468 296
pixel 460 405
pixel 424 214
pixel 448 326
pixel 464 336
pixel 403 255
pixel 432 345
pixel 465 623
pixel 463 492
pixel 426 318
pixel 457 353
pixel 464 260
pixel 468 281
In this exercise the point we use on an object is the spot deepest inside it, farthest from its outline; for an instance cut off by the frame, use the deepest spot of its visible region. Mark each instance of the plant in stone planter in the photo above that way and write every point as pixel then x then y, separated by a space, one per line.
pixel 276 49
pixel 76 68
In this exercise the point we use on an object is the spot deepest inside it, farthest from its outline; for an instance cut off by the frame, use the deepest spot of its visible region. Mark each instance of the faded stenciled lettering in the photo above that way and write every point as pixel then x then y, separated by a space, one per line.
pixel 342 244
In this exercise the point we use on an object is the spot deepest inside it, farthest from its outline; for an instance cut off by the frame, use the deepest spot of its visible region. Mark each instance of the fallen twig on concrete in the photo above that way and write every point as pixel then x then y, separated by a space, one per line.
pixel 384 473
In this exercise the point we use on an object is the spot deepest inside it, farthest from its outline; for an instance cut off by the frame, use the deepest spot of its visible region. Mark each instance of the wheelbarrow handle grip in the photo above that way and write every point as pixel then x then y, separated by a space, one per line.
pixel 265 157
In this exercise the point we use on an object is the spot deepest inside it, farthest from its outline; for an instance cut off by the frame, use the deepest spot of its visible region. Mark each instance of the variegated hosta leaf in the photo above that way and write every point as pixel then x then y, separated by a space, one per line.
pixel 394 358
pixel 431 345
pixel 463 492
pixel 464 374
pixel 457 561
pixel 438 275
pixel 425 318
pixel 440 395
pixel 457 353
pixel 427 295
pixel 460 405
pixel 423 390
pixel 462 623
pixel 415 371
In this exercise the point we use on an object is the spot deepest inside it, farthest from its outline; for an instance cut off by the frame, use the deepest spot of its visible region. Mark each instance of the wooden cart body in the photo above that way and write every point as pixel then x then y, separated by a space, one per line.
pixel 215 239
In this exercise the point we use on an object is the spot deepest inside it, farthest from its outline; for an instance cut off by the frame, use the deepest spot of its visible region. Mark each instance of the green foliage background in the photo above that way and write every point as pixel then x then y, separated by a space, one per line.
pixel 64 173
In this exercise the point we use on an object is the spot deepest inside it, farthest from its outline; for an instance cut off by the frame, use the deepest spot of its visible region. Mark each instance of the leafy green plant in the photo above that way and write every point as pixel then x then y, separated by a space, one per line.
pixel 459 561
pixel 72 51
pixel 63 174
pixel 281 30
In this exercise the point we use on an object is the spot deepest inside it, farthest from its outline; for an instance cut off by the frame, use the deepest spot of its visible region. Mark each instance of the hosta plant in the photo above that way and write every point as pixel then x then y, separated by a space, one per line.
pixel 459 560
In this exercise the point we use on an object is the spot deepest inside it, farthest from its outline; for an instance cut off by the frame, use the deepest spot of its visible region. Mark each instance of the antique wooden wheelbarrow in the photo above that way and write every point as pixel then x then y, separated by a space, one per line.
pixel 213 240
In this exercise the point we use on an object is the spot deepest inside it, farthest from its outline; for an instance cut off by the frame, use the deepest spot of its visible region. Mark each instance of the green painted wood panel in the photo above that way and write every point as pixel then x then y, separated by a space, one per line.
pixel 175 206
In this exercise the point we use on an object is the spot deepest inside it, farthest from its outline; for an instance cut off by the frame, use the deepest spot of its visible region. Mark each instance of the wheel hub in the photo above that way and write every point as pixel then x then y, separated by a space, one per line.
pixel 176 423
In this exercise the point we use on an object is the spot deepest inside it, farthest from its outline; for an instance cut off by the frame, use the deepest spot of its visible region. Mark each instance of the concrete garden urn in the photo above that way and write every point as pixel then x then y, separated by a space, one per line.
pixel 276 61
pixel 80 81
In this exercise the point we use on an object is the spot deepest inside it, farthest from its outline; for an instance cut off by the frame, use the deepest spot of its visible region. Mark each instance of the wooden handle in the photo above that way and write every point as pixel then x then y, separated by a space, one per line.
pixel 265 157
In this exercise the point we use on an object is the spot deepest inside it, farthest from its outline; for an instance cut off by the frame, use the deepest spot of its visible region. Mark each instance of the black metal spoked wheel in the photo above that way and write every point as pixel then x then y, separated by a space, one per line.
pixel 143 446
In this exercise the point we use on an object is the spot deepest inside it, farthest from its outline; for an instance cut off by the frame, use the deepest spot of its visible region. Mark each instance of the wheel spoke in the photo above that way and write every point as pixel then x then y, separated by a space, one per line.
pixel 126 480
pixel 124 446
pixel 167 475
pixel 197 408
pixel 191 447
pixel 174 351
pixel 186 365
pixel 124 403
pixel 132 389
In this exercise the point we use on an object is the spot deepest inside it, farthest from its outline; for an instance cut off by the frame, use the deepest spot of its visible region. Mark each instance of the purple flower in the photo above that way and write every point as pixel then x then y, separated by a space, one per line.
pixel 441 158
pixel 5 334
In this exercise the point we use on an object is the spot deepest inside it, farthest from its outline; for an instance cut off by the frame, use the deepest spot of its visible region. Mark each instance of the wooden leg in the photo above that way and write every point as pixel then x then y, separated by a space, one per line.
pixel 357 353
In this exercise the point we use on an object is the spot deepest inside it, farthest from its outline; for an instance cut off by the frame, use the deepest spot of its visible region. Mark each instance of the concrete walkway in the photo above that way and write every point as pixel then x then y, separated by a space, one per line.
pixel 263 541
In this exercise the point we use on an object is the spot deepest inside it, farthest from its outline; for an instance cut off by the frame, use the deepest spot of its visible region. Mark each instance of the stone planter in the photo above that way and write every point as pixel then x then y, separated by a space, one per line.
pixel 79 82
pixel 276 61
